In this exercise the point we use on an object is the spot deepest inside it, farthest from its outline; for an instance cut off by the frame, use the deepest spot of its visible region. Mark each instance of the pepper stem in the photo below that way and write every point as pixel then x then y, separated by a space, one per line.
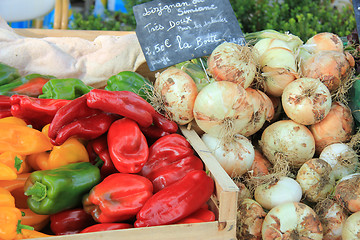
pixel 37 191
pixel 17 163
pixel 20 226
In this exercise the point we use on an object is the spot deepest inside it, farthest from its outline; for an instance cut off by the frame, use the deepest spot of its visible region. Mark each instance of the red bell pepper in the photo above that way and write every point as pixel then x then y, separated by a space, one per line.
pixel 201 215
pixel 118 197
pixel 38 112
pixel 106 227
pixel 76 119
pixel 123 103
pixel 170 158
pixel 33 87
pixel 5 106
pixel 177 201
pixel 98 149
pixel 70 221
pixel 128 147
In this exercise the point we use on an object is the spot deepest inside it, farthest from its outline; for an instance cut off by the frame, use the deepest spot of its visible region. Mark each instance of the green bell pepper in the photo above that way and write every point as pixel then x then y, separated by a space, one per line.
pixel 7 74
pixel 130 81
pixel 52 191
pixel 354 101
pixel 69 88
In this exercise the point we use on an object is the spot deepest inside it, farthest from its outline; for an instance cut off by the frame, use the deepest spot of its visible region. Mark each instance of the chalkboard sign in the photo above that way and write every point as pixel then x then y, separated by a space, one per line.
pixel 356 6
pixel 172 31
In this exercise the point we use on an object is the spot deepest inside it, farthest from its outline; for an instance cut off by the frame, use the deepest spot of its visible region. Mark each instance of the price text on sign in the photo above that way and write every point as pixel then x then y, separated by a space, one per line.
pixel 171 31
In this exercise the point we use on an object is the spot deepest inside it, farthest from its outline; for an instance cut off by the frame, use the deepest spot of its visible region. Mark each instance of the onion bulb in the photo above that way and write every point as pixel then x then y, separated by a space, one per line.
pixel 278 191
pixel 347 192
pixel 331 67
pixel 316 179
pixel 234 63
pixel 250 216
pixel 261 166
pixel 236 156
pixel 324 41
pixel 177 92
pixel 351 229
pixel 286 139
pixel 336 127
pixel 306 101
pixel 222 108
pixel 332 217
pixel 342 158
pixel 292 220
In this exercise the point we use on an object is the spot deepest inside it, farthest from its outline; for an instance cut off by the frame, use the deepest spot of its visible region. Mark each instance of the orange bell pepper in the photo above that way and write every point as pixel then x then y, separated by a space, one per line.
pixel 22 139
pixel 27 233
pixel 34 220
pixel 14 120
pixel 14 161
pixel 10 217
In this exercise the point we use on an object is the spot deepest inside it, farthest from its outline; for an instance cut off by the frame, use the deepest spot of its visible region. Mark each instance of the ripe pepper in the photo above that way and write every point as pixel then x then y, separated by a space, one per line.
pixel 130 81
pixel 5 106
pixel 32 86
pixel 118 197
pixel 10 217
pixel 37 112
pixel 11 164
pixel 98 151
pixel 106 227
pixel 55 190
pixel 170 158
pixel 201 215
pixel 176 201
pixel 22 139
pixel 69 88
pixel 123 103
pixel 13 120
pixel 70 221
pixel 128 147
pixel 76 119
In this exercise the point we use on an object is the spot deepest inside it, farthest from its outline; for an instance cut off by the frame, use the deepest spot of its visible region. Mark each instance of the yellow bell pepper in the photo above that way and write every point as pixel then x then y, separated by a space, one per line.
pixel 14 161
pixel 22 139
pixel 13 120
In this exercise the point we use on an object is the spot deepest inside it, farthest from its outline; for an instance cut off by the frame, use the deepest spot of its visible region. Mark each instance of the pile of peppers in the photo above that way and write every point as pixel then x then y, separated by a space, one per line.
pixel 75 159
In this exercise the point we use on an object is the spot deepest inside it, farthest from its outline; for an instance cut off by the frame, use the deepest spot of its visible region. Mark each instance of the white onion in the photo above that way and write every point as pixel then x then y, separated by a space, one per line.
pixel 221 108
pixel 292 221
pixel 306 101
pixel 264 44
pixel 342 158
pixel 316 179
pixel 351 229
pixel 288 140
pixel 236 156
pixel 278 191
pixel 177 92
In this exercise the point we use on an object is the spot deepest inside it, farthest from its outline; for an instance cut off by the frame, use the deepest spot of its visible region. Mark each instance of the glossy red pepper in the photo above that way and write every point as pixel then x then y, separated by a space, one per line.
pixel 31 88
pixel 201 215
pixel 128 147
pixel 123 103
pixel 170 158
pixel 38 112
pixel 106 227
pixel 76 119
pixel 5 106
pixel 98 150
pixel 118 197
pixel 177 201
pixel 70 221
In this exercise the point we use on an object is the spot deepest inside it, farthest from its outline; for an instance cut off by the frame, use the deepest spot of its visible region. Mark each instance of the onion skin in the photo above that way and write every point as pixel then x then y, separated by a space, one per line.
pixel 347 192
pixel 331 67
pixel 324 41
pixel 291 140
pixel 234 63
pixel 351 229
pixel 279 191
pixel 250 216
pixel 178 93
pixel 221 103
pixel 292 221
pixel 337 126
pixel 260 166
pixel 306 101
pixel 316 179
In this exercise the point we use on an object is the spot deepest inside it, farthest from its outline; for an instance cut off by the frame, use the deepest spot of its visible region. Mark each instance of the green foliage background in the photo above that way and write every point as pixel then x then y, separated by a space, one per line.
pixel 303 18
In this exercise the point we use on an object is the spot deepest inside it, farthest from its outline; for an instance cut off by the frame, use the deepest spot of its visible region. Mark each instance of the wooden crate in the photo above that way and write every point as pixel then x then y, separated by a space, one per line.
pixel 223 202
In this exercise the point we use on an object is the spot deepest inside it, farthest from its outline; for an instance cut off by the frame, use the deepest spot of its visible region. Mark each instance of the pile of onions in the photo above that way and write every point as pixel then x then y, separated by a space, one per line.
pixel 287 140
pixel 306 101
pixel 176 91
pixel 277 63
pixel 234 63
pixel 337 126
pixel 292 220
